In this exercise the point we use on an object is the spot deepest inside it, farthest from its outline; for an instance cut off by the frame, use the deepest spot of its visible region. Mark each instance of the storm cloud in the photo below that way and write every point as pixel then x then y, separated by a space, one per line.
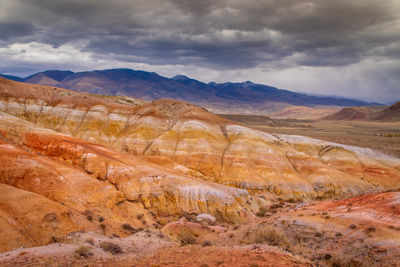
pixel 254 39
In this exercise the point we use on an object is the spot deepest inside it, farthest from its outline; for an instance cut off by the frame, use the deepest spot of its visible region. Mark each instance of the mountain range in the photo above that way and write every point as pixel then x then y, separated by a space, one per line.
pixel 222 97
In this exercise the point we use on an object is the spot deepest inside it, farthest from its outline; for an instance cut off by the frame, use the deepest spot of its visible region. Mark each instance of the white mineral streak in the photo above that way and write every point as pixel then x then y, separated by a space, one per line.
pixel 247 132
pixel 198 125
pixel 367 152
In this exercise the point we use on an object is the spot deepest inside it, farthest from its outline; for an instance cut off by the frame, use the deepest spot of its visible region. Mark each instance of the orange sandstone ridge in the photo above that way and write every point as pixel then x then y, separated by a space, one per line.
pixel 197 143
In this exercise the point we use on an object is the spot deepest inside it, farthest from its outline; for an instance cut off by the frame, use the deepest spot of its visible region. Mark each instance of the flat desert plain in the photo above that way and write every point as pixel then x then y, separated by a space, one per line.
pixel 381 136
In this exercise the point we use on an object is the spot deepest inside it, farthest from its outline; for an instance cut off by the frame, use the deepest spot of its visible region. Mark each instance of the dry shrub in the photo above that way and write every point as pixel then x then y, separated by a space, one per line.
pixel 276 206
pixel 266 235
pixel 89 215
pixel 261 212
pixel 129 228
pixel 186 237
pixel 347 261
pixel 90 241
pixel 206 243
pixel 370 229
pixel 111 247
pixel 318 234
pixel 354 254
pixel 83 252
pixel 353 226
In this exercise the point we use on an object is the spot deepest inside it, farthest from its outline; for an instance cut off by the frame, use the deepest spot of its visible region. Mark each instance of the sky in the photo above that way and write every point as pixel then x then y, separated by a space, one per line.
pixel 342 47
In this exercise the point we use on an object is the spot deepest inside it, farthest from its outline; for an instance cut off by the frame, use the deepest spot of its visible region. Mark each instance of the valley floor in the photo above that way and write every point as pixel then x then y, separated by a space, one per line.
pixel 381 136
pixel 189 256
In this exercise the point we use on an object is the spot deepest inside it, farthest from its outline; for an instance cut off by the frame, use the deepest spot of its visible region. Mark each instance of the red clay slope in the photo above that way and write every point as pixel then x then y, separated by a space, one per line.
pixel 353 113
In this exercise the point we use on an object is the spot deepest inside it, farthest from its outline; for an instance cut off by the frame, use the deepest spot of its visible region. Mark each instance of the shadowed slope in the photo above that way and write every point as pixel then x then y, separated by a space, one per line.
pixel 355 113
pixel 392 113
pixel 378 113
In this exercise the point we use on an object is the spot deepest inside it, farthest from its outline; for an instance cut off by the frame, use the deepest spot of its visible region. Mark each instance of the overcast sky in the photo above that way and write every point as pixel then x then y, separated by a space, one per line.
pixel 342 47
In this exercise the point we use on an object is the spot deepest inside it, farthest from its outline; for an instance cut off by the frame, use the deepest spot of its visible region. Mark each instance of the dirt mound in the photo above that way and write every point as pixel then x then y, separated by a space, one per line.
pixel 353 113
pixel 301 112
pixel 392 113
pixel 374 113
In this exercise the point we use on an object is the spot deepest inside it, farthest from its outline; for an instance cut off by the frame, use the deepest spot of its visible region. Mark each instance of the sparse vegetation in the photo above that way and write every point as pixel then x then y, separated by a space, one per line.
pixel 161 235
pixel 261 212
pixel 346 261
pixel 111 247
pixel 129 228
pixel 206 243
pixel 83 252
pixel 187 238
pixel 90 241
pixel 266 235
pixel 54 239
pixel 370 229
pixel 276 206
pixel 89 215
pixel 392 135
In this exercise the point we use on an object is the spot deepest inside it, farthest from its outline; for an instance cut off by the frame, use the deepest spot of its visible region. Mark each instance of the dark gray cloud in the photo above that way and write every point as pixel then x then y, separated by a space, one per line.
pixel 10 30
pixel 218 35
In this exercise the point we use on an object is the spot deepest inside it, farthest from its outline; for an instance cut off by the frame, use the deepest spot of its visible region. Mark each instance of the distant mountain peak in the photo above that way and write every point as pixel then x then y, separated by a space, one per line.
pixel 180 77
pixel 56 75
pixel 247 83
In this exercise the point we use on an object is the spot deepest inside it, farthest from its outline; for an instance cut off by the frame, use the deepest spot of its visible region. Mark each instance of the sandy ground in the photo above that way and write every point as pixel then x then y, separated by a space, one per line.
pixel 64 253
pixel 289 234
pixel 147 248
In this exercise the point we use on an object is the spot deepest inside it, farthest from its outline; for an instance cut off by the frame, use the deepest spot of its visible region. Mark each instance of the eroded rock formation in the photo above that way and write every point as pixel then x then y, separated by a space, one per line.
pixel 124 161
pixel 188 139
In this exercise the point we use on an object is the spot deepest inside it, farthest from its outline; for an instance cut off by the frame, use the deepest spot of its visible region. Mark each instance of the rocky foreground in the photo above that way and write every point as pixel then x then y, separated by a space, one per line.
pixel 78 170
